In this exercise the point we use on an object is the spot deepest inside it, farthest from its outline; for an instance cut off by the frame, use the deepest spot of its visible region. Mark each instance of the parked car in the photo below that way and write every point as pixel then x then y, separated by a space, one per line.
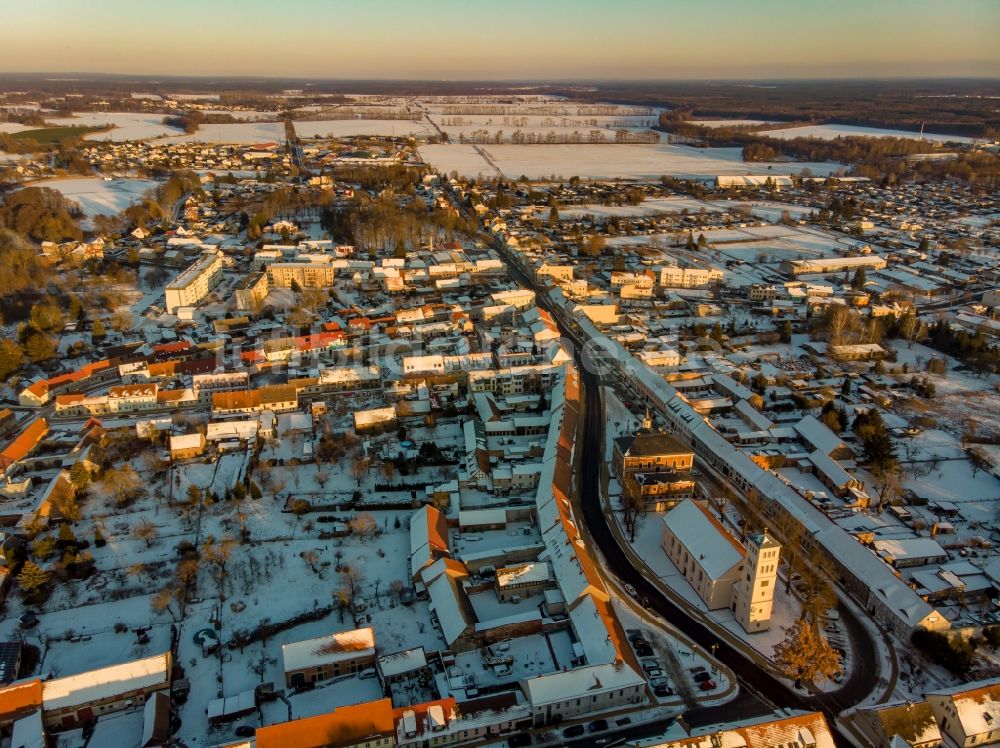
pixel 654 673
pixel 622 721
pixel 598 725
pixel 573 731
pixel 662 691
pixel 706 685
pixel 696 669
pixel 246 731
pixel 643 650
pixel 631 590
pixel 701 677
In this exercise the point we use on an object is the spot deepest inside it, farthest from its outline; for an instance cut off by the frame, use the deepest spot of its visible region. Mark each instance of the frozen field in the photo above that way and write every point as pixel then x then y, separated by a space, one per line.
pixel 829 132
pixel 127 125
pixel 98 197
pixel 605 161
pixel 339 128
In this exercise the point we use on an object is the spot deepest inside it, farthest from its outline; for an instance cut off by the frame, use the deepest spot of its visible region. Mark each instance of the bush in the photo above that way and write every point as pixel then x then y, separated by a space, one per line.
pixel 941 649
pixel 991 635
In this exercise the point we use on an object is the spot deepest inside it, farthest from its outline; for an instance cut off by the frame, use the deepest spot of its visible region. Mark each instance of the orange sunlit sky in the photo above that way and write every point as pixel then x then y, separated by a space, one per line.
pixel 507 40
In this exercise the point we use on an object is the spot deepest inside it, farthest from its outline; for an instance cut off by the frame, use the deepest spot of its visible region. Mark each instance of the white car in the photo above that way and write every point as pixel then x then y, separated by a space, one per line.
pixel 631 590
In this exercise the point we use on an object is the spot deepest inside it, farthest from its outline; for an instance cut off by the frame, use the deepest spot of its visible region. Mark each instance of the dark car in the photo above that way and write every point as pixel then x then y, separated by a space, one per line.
pixel 702 677
pixel 598 725
pixel 519 740
pixel 246 731
pixel 663 691
pixel 643 650
pixel 573 731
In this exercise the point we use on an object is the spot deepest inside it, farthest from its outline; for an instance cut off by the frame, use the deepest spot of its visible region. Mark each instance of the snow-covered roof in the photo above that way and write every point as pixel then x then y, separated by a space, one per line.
pixel 326 650
pixel 704 538
pixel 817 435
pixel 107 682
pixel 977 705
pixel 453 614
pixel 398 663
pixel 580 682
pixel 904 549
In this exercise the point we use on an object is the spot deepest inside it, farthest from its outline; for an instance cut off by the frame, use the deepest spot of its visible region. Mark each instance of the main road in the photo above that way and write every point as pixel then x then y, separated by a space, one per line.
pixel 760 692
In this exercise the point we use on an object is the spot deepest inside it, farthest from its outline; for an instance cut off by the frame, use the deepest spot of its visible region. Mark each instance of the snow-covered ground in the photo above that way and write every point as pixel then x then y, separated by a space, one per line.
pixel 97 196
pixel 127 125
pixel 645 208
pixel 12 127
pixel 606 161
pixel 247 133
pixel 728 122
pixel 829 132
pixel 340 128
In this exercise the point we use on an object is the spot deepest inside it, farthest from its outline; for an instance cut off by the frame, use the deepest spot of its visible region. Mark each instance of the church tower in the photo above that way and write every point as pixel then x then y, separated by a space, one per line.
pixel 753 597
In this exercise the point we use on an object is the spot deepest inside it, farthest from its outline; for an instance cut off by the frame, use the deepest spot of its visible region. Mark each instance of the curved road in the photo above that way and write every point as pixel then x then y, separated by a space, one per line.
pixel 760 692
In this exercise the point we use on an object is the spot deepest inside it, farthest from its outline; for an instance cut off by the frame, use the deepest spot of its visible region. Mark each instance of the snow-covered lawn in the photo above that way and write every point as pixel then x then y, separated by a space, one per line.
pixel 606 161
pixel 829 132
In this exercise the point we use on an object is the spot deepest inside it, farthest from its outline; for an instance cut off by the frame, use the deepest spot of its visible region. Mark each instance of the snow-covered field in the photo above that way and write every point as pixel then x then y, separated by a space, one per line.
pixel 338 128
pixel 829 132
pixel 96 196
pixel 728 122
pixel 127 125
pixel 606 161
pixel 12 127
pixel 243 133
pixel 646 208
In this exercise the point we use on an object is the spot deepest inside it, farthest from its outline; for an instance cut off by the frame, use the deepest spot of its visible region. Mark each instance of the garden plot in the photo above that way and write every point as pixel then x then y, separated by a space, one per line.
pixel 125 125
pixel 97 196
pixel 607 161
pixel 830 132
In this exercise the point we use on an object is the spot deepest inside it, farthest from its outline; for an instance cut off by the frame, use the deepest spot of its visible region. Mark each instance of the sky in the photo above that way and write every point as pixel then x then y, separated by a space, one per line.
pixel 506 40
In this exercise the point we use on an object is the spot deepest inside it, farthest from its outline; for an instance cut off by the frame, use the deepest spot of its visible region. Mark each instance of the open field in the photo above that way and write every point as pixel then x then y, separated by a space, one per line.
pixel 606 161
pixel 247 133
pixel 51 135
pixel 340 128
pixel 124 125
pixel 829 132
pixel 97 197
pixel 728 122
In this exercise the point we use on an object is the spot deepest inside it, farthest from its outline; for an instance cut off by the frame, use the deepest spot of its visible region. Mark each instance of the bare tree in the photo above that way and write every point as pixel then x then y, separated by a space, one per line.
pixel 259 662
pixel 145 531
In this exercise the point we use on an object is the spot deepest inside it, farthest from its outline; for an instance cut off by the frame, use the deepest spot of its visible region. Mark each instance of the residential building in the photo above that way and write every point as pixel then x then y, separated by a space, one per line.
pixel 194 284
